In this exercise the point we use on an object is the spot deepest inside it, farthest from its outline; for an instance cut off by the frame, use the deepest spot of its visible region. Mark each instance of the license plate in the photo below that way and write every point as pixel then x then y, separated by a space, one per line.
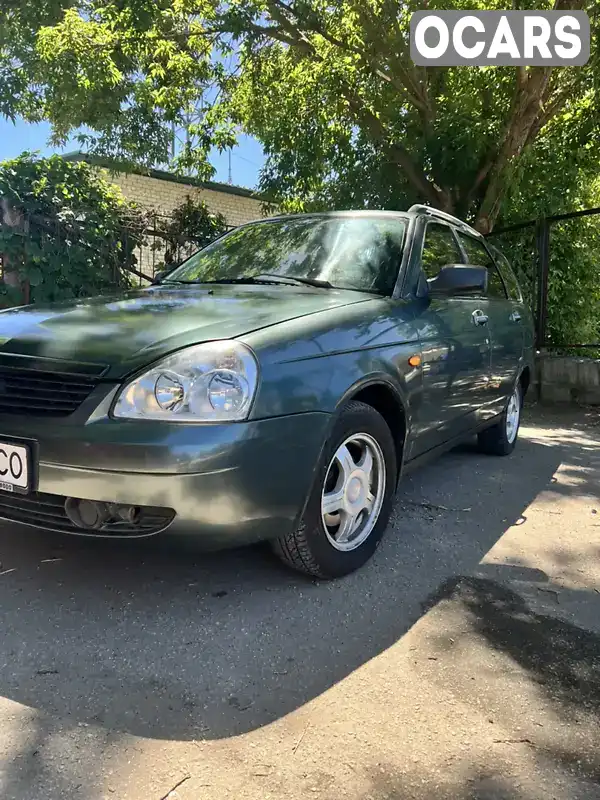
pixel 15 468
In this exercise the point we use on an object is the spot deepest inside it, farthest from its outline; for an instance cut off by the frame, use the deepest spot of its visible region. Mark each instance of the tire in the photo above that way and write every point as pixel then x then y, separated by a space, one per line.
pixel 500 439
pixel 310 548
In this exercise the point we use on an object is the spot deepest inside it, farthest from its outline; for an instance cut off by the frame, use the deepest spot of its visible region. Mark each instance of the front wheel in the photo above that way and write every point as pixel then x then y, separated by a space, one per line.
pixel 500 439
pixel 350 502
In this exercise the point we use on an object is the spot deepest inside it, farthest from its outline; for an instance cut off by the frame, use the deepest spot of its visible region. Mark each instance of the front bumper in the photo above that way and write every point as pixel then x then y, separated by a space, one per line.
pixel 227 484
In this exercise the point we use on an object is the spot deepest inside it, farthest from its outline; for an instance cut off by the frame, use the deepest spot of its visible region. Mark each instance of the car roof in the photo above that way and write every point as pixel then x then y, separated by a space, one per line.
pixel 371 213
pixel 413 211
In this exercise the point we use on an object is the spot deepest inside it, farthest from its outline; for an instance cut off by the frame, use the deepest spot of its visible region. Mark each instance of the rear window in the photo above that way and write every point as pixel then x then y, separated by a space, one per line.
pixel 510 279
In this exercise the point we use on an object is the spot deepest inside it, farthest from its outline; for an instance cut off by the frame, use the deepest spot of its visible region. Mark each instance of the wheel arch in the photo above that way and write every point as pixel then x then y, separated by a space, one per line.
pixel 525 380
pixel 380 393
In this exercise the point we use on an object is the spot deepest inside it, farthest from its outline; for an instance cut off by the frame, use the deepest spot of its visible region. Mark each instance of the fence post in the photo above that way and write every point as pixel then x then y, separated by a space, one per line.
pixel 543 269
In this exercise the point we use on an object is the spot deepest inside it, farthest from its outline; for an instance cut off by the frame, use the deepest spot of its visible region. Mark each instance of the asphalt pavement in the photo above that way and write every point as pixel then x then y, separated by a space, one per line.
pixel 462 662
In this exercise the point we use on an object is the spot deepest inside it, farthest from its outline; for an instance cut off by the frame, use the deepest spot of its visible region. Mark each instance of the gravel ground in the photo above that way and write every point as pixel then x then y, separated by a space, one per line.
pixel 463 662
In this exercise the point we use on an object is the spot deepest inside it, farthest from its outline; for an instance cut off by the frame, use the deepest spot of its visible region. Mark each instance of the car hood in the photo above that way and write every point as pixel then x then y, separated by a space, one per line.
pixel 132 329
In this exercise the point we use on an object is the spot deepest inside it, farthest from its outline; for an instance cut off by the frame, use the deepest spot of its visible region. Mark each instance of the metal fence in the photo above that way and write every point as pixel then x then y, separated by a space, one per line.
pixel 157 250
pixel 154 250
pixel 140 251
pixel 529 247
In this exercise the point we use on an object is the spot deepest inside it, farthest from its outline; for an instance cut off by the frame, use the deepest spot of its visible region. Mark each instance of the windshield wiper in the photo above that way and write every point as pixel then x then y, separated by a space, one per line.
pixel 199 281
pixel 265 278
pixel 291 279
pixel 321 284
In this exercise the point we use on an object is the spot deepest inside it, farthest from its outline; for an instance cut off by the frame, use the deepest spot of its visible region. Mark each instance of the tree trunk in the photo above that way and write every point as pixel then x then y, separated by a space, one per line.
pixel 530 89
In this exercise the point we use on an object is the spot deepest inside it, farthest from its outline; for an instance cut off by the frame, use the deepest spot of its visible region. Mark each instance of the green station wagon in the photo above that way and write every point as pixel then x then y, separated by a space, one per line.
pixel 275 386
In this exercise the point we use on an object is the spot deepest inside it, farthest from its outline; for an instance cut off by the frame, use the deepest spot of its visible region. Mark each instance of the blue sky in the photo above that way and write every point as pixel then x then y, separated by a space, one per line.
pixel 246 159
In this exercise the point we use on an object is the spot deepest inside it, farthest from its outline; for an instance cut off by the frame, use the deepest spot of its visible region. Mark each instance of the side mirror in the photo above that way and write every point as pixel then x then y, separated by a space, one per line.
pixel 459 279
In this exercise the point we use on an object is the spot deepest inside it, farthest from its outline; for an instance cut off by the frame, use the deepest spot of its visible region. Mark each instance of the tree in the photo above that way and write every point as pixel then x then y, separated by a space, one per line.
pixel 329 89
pixel 191 226
pixel 119 74
pixel 66 232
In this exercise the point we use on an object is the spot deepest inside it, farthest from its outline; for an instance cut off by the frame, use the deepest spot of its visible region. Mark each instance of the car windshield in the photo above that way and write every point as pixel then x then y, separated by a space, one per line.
pixel 361 253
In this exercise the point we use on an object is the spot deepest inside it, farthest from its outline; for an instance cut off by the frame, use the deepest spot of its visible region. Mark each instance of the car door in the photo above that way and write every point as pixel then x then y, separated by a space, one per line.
pixel 505 325
pixel 521 314
pixel 455 347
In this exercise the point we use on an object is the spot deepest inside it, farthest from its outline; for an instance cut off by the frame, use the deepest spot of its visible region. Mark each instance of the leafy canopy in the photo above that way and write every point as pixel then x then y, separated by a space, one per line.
pixel 126 72
pixel 66 232
pixel 345 117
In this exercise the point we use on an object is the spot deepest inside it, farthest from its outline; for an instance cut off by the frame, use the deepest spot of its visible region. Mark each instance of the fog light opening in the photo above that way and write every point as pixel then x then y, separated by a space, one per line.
pixel 94 514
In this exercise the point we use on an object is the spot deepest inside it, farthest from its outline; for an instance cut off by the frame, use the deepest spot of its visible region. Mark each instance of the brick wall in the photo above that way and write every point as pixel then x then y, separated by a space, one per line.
pixel 163 195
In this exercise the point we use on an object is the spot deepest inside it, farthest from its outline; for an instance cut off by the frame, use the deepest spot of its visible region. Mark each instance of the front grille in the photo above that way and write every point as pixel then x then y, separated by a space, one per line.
pixel 42 393
pixel 48 511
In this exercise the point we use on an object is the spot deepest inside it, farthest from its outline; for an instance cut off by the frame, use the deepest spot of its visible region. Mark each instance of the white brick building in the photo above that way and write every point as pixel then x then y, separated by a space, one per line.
pixel 159 191
pixel 162 191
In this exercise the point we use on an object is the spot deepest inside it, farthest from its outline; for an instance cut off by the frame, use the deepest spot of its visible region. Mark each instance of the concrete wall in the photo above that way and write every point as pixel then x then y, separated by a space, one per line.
pixel 568 379
pixel 164 195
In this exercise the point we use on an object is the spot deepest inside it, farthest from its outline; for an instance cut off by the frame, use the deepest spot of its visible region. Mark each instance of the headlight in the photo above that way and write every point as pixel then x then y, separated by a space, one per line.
pixel 208 382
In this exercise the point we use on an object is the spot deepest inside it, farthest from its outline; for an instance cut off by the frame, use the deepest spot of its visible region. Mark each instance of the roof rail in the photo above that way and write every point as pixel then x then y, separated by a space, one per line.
pixel 434 212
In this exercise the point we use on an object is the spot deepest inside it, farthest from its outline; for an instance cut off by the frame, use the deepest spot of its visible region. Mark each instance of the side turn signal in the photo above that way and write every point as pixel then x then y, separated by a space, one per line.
pixel 415 361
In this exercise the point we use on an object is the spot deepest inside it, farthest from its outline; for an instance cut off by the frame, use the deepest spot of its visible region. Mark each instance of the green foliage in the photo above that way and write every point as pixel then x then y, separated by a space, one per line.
pixel 558 178
pixel 66 231
pixel 345 116
pixel 574 282
pixel 191 226
pixel 127 71
pixel 347 119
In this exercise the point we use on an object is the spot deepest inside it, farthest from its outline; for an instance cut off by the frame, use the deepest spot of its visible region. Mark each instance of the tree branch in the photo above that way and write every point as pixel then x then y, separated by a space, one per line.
pixel 398 153
pixel 550 110
pixel 529 113
pixel 401 80
pixel 529 92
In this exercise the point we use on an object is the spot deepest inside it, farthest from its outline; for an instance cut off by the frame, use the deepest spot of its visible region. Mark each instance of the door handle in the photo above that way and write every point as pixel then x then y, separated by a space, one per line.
pixel 479 318
pixel 515 317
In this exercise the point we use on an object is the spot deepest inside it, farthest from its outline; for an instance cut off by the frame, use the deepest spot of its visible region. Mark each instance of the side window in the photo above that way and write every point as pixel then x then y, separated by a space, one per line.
pixel 478 256
pixel 439 249
pixel 510 279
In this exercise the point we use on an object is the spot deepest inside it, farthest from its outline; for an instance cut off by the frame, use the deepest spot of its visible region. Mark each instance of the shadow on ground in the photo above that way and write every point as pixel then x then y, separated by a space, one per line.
pixel 561 659
pixel 552 748
pixel 154 639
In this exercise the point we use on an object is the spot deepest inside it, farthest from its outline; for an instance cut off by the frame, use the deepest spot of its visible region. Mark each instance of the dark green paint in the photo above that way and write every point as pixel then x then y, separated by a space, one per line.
pixel 316 348
pixel 130 331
